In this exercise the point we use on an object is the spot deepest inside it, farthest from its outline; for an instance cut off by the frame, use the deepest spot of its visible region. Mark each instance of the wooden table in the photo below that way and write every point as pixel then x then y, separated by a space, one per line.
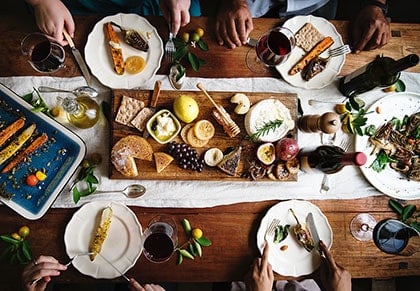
pixel 231 228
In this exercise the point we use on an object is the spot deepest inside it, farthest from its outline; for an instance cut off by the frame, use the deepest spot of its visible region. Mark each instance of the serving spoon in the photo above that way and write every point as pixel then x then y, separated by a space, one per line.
pixel 131 191
pixel 82 90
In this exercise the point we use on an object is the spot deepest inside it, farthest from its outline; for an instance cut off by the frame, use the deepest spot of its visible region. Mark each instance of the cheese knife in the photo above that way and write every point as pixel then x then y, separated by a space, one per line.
pixel 153 103
pixel 79 59
pixel 310 222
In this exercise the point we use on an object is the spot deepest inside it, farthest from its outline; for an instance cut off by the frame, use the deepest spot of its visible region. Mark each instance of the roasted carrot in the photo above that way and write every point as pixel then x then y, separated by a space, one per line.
pixel 39 141
pixel 17 143
pixel 10 130
pixel 115 49
pixel 313 53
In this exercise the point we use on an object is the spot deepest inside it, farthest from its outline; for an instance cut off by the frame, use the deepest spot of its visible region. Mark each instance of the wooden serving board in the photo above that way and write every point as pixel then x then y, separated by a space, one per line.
pixel 147 170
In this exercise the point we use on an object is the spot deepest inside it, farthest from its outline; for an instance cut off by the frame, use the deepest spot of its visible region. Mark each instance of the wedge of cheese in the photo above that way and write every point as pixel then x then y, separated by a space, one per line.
pixel 101 233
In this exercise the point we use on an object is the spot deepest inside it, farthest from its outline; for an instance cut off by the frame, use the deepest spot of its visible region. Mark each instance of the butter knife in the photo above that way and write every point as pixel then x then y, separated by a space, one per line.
pixel 153 103
pixel 115 268
pixel 79 59
pixel 310 222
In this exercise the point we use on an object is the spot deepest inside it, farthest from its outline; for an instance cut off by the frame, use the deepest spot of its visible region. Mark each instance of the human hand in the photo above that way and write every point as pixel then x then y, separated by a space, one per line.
pixel 43 267
pixel 260 277
pixel 176 13
pixel 233 23
pixel 333 276
pixel 52 17
pixel 135 286
pixel 370 29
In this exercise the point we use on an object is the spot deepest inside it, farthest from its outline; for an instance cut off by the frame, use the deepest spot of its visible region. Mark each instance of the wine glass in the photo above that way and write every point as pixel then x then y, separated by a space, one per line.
pixel 272 49
pixel 362 225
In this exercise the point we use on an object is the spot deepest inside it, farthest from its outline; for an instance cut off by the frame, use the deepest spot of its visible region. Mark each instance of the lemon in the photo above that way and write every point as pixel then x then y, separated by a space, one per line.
pixel 204 129
pixel 134 64
pixel 186 108
pixel 24 231
pixel 197 233
pixel 185 36
pixel 200 32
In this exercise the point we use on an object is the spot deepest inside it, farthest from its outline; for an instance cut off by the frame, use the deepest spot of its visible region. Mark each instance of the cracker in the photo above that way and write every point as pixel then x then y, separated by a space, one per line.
pixel 307 37
pixel 129 107
pixel 140 120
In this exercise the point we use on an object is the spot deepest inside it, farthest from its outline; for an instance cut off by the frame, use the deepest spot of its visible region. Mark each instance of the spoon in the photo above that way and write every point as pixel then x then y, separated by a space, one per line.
pixel 131 191
pixel 83 90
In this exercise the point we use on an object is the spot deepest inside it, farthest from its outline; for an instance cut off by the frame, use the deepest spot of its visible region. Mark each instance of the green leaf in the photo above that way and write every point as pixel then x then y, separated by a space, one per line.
pixel 400 86
pixel 415 225
pixel 192 249
pixel 26 250
pixel 381 161
pixel 370 130
pixel 194 61
pixel 6 252
pixel 180 53
pixel 186 254
pixel 28 97
pixel 9 239
pixel 198 248
pixel 205 242
pixel 186 226
pixel 76 195
pixel 92 179
pixel 408 211
pixel 396 206
pixel 202 45
pixel 180 258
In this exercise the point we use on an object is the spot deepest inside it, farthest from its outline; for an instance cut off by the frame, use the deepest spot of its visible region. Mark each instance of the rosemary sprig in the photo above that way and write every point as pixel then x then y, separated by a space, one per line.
pixel 265 129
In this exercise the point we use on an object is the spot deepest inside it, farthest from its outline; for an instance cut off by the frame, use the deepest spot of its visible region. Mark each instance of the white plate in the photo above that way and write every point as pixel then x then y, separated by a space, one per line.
pixel 389 181
pixel 99 60
pixel 122 246
pixel 334 66
pixel 295 261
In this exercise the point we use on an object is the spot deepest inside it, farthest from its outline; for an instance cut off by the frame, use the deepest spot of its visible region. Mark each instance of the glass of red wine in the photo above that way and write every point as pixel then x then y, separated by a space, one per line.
pixel 272 49
pixel 160 239
pixel 43 53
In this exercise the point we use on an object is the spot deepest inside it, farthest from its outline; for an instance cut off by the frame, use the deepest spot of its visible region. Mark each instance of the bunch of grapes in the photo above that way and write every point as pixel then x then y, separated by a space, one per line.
pixel 186 156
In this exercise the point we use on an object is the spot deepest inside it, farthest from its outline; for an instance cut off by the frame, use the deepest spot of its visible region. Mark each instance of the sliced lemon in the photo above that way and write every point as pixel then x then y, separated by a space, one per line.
pixel 194 141
pixel 204 129
pixel 134 64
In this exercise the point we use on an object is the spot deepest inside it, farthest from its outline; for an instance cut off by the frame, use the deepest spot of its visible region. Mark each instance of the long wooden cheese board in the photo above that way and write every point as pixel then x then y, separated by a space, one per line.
pixel 221 140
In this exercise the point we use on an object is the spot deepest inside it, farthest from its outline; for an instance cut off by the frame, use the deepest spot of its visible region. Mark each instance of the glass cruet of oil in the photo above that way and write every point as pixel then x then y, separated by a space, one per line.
pixel 82 111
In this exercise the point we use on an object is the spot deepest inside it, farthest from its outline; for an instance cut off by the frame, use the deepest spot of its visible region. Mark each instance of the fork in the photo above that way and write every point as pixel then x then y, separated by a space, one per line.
pixel 325 184
pixel 68 264
pixel 271 230
pixel 338 51
pixel 170 46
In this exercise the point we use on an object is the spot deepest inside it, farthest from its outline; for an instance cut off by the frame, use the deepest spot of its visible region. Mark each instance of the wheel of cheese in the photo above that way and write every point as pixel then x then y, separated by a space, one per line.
pixel 126 150
pixel 264 112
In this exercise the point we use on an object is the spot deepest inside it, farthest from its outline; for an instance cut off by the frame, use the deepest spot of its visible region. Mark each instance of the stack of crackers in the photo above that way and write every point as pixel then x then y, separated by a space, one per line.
pixel 308 36
pixel 132 112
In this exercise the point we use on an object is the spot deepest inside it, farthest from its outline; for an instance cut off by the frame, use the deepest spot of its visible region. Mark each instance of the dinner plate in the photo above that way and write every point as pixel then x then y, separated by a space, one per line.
pixel 98 56
pixel 59 157
pixel 333 67
pixel 122 246
pixel 295 260
pixel 389 181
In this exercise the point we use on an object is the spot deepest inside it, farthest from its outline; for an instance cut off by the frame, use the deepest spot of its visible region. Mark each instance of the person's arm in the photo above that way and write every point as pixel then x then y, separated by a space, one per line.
pixel 176 13
pixel 135 286
pixel 233 23
pixel 261 276
pixel 333 276
pixel 41 269
pixel 52 16
pixel 370 29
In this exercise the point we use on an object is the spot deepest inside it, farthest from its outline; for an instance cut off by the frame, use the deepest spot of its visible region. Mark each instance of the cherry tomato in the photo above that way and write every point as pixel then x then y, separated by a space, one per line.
pixel 32 180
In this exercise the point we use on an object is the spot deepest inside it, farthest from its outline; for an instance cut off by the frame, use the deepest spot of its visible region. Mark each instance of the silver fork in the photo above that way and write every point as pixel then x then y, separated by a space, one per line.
pixel 325 184
pixel 271 230
pixel 341 50
pixel 170 46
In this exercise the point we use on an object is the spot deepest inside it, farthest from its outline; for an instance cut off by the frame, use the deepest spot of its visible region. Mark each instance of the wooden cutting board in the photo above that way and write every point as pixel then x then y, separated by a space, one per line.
pixel 147 170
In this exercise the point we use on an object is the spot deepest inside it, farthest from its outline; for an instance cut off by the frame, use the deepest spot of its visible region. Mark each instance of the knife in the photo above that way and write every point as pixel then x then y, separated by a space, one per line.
pixel 312 229
pixel 153 102
pixel 79 59
pixel 115 268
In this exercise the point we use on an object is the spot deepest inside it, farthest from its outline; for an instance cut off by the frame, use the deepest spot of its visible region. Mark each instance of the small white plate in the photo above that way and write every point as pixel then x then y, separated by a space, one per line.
pixel 295 260
pixel 122 246
pixel 333 67
pixel 99 60
pixel 389 181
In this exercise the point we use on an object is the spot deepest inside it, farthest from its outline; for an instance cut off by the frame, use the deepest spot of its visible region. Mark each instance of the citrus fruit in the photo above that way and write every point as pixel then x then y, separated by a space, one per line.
pixel 24 231
pixel 40 175
pixel 197 233
pixel 16 236
pixel 266 153
pixel 195 36
pixel 185 36
pixel 134 64
pixel 341 108
pixel 185 108
pixel 204 129
pixel 200 32
pixel 213 156
pixel 194 141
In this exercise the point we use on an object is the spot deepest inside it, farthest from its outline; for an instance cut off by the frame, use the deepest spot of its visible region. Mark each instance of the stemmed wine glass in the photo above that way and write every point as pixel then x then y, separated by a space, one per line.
pixel 362 225
pixel 271 49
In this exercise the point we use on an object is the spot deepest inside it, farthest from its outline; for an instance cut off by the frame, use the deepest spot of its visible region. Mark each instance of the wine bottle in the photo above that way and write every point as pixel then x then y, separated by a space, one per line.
pixel 329 159
pixel 82 112
pixel 381 72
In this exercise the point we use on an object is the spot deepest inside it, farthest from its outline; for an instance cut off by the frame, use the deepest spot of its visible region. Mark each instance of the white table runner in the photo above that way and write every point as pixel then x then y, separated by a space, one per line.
pixel 347 184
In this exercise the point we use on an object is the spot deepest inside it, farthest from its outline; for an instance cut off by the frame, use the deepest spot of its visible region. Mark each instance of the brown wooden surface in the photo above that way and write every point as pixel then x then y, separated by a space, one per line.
pixel 221 140
pixel 231 228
